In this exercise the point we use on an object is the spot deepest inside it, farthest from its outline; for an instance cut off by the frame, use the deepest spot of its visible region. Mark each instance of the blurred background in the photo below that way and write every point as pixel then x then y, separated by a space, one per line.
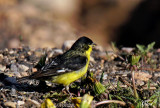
pixel 48 23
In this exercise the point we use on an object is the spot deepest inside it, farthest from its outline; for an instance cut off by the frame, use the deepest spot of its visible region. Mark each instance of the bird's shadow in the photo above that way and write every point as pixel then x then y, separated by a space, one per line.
pixel 27 86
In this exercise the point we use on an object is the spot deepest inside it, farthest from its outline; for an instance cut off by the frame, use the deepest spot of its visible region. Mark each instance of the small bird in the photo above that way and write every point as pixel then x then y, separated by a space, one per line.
pixel 68 67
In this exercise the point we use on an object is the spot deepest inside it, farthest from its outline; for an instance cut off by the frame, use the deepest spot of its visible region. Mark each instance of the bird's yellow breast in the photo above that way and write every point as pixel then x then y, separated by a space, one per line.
pixel 70 77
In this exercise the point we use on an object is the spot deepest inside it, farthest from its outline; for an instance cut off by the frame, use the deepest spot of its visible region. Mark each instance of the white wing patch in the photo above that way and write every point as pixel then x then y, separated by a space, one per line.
pixel 63 70
pixel 59 71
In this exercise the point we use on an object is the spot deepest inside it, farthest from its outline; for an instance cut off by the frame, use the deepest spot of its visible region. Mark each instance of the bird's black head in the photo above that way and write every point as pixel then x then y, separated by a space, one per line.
pixel 82 43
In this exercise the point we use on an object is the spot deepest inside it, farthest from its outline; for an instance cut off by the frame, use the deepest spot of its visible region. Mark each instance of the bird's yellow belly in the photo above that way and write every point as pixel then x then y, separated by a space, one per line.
pixel 70 77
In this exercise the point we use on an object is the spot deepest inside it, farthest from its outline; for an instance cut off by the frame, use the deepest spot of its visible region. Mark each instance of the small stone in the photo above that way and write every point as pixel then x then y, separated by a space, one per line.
pixel 34 69
pixel 29 53
pixel 10 104
pixel 22 56
pixel 14 68
pixel 17 74
pixel 50 54
pixel 143 76
pixel 157 74
pixel 2 68
pixel 23 68
pixel 34 102
pixel 102 55
pixel 105 77
pixel 38 54
pixel 92 59
pixel 99 48
pixel 24 74
pixel 19 103
pixel 140 82
pixel 58 51
pixel 127 49
pixel 67 44
pixel 13 91
pixel 1 57
pixel 6 49
pixel 11 52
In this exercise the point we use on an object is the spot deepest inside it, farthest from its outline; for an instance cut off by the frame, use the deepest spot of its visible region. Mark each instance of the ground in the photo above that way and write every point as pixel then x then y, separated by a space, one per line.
pixel 108 67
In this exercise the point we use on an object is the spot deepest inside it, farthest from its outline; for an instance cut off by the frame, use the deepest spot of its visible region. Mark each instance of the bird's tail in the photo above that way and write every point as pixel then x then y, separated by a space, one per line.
pixel 23 79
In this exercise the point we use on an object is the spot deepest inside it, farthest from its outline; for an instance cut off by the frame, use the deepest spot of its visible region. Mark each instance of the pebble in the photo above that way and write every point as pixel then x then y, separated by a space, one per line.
pixel 38 54
pixel 10 104
pixel 140 82
pixel 13 91
pixel 19 103
pixel 157 74
pixel 24 74
pixel 99 48
pixel 22 56
pixel 103 55
pixel 55 52
pixel 67 44
pixel 50 54
pixel 58 51
pixel 29 53
pixel 14 68
pixel 11 52
pixel 113 81
pixel 110 55
pixel 2 68
pixel 123 73
pixel 23 68
pixel 34 69
pixel 1 57
pixel 92 59
pixel 105 77
pixel 34 102
pixel 127 49
pixel 17 74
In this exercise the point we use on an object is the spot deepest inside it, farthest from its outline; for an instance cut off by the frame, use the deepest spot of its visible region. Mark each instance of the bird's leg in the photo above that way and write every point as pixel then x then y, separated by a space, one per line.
pixel 67 89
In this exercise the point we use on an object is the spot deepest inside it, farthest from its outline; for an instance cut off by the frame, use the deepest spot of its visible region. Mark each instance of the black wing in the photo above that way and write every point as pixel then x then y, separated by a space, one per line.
pixel 60 66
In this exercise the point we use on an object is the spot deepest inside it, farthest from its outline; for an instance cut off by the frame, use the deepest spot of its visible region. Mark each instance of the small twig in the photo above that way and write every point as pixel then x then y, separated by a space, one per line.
pixel 111 101
pixel 38 105
pixel 149 69
pixel 117 54
pixel 127 83
pixel 121 57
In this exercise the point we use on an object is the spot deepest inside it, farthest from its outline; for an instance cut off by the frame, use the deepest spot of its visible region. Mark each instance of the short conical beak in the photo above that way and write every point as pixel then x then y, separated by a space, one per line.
pixel 94 44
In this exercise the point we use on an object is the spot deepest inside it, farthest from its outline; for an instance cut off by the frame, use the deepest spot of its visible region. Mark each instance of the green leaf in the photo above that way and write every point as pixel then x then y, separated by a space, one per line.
pixel 47 104
pixel 86 101
pixel 135 59
pixel 98 88
pixel 101 79
pixel 141 48
pixel 139 104
pixel 150 46
pixel 118 97
pixel 41 62
pixel 148 84
pixel 155 99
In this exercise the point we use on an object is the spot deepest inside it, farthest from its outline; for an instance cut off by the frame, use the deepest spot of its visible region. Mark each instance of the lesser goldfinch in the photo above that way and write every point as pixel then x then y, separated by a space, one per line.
pixel 68 67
